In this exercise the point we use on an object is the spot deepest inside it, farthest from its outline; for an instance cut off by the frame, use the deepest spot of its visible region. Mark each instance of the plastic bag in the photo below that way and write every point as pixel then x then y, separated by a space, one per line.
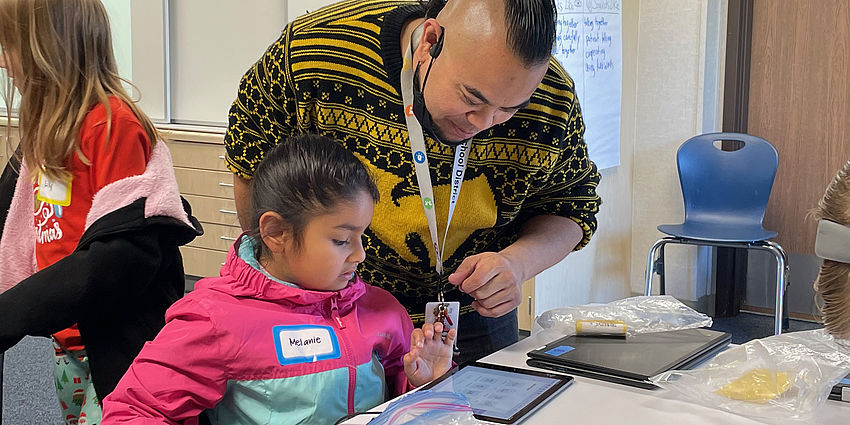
pixel 642 314
pixel 428 407
pixel 780 377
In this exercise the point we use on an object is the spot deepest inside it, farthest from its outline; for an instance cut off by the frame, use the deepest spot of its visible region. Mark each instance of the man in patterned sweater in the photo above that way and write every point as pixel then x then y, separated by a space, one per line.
pixel 468 93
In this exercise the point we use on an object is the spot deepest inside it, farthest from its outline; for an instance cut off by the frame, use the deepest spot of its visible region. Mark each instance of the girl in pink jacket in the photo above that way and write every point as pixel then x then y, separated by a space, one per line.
pixel 289 333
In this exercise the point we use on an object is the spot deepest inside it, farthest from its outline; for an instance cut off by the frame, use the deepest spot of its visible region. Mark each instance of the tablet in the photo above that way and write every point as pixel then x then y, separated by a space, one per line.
pixel 630 361
pixel 501 394
pixel 841 390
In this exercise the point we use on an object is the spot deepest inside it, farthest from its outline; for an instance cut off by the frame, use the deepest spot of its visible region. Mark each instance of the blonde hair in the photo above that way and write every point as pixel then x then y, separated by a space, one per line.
pixel 60 52
pixel 833 281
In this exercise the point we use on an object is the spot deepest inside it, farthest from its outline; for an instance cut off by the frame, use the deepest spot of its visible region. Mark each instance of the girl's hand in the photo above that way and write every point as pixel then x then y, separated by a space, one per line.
pixel 430 356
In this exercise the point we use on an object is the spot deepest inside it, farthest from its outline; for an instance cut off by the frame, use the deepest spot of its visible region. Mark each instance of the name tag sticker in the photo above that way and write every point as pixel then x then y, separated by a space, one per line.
pixel 305 344
pixel 54 192
pixel 561 349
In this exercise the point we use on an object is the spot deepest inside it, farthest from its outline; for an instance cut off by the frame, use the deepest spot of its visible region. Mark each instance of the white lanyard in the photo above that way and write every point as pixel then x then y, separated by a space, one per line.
pixel 420 161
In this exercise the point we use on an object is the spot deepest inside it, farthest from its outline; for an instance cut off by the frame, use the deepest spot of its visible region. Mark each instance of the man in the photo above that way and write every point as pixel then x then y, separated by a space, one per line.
pixel 467 101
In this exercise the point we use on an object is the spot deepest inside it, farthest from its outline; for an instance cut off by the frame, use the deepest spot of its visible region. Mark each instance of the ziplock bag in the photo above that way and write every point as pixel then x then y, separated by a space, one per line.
pixel 780 377
pixel 428 408
pixel 642 314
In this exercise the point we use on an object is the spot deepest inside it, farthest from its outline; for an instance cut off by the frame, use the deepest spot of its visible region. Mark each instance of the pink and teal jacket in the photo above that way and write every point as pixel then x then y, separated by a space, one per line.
pixel 253 350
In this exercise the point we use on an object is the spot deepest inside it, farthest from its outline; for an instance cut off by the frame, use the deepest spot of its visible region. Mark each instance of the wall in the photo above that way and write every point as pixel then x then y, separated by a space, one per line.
pixel 296 8
pixel 664 62
pixel 200 96
pixel 119 21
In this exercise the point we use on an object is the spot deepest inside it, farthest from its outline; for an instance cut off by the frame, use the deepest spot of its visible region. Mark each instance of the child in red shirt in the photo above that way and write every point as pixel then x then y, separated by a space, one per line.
pixel 89 251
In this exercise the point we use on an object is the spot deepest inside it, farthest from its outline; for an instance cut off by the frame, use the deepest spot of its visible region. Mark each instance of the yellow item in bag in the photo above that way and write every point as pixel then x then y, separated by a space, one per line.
pixel 757 385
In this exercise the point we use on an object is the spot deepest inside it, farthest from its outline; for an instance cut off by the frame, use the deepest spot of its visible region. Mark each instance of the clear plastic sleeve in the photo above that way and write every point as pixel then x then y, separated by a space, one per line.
pixel 428 407
pixel 776 378
pixel 642 314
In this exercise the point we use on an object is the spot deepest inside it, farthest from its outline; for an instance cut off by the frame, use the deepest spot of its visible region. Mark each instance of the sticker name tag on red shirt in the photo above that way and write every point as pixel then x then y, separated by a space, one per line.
pixel 56 192
pixel 305 344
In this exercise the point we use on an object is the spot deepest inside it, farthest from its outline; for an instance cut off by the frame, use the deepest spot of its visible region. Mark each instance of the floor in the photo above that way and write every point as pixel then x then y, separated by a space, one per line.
pixel 28 396
pixel 28 393
pixel 747 326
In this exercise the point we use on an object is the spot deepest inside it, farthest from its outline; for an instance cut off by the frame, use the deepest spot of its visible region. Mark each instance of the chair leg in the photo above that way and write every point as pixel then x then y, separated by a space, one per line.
pixel 786 319
pixel 781 319
pixel 650 264
pixel 659 269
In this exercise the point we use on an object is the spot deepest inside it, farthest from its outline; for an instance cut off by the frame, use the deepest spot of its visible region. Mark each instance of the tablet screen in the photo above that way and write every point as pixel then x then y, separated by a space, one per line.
pixel 500 394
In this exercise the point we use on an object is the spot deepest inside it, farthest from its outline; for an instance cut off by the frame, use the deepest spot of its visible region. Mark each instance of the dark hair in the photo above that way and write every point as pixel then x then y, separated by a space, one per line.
pixel 530 27
pixel 303 177
pixel 432 7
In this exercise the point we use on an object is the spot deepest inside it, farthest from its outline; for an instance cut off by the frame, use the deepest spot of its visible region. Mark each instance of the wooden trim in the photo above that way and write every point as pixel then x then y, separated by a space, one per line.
pixel 216 237
pixel 201 261
pixel 193 128
pixel 769 311
pixel 736 90
pixel 213 210
pixel 216 184
pixel 730 280
pixel 4 121
pixel 191 136
pixel 188 133
pixel 731 263
pixel 525 310
pixel 205 156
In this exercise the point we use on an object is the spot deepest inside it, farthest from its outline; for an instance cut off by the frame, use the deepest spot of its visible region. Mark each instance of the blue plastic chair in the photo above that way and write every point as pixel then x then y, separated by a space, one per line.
pixel 725 194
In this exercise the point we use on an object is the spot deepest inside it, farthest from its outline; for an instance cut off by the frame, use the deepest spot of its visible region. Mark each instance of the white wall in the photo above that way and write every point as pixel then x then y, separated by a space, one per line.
pixel 296 8
pixel 119 22
pixel 662 105
pixel 669 110
pixel 204 80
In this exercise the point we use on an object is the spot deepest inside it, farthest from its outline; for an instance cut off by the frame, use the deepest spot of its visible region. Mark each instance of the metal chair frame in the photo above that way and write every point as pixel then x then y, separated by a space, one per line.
pixel 769 246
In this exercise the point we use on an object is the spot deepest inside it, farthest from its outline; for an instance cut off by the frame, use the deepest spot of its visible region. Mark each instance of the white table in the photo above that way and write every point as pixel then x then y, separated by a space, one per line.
pixel 589 401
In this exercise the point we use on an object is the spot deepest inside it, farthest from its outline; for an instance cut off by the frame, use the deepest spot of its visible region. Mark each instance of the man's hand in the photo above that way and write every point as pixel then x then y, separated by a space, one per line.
pixel 430 355
pixel 493 279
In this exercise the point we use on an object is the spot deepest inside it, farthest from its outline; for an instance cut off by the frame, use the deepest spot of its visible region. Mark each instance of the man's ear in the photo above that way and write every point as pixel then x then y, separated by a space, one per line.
pixel 431 43
pixel 274 232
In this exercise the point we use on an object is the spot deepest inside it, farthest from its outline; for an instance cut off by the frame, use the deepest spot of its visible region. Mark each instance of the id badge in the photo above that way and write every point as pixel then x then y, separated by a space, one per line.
pixel 449 317
pixel 54 192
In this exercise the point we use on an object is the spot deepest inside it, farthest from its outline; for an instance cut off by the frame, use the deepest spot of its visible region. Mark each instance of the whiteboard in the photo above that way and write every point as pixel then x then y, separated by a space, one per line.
pixel 589 46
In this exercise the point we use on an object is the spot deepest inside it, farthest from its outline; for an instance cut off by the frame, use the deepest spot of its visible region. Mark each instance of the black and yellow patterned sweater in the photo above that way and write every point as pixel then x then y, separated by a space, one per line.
pixel 336 72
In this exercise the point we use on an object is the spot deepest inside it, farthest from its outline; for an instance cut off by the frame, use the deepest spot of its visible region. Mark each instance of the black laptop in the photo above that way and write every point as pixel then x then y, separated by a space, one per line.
pixel 633 360
pixel 841 390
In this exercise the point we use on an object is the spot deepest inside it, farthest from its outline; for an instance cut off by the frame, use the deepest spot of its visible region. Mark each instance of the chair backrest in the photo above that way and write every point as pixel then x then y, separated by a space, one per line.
pixel 730 186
